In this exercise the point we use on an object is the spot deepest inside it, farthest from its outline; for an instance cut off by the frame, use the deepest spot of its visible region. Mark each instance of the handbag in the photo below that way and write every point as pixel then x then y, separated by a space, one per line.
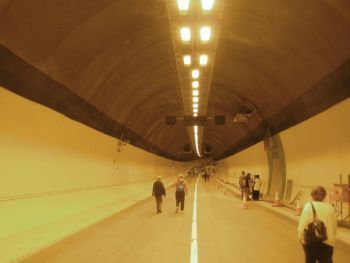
pixel 316 231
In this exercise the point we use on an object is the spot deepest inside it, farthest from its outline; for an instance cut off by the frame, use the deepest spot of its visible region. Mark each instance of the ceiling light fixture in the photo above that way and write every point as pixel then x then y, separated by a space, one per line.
pixel 187 60
pixel 195 110
pixel 184 5
pixel 203 60
pixel 195 105
pixel 195 84
pixel 185 34
pixel 195 73
pixel 195 99
pixel 195 129
pixel 195 92
pixel 207 5
pixel 205 33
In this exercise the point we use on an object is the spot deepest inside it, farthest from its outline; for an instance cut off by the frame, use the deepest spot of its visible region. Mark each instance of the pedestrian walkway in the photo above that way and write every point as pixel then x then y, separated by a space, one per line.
pixel 343 234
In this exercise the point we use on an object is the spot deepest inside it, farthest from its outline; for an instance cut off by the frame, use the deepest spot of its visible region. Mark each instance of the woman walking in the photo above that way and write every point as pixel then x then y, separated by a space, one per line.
pixel 321 252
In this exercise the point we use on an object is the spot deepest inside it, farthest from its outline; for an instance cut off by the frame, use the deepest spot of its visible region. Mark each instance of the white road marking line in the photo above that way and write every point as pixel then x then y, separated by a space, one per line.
pixel 194 243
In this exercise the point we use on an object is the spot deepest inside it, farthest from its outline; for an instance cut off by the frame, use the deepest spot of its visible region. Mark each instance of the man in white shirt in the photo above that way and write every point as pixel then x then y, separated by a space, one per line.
pixel 321 252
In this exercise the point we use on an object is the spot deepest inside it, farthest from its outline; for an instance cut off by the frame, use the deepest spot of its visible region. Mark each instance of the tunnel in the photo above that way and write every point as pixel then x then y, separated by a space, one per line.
pixel 103 101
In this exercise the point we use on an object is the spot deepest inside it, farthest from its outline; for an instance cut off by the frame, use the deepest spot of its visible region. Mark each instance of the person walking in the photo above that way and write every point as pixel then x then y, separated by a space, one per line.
pixel 248 186
pixel 321 252
pixel 256 187
pixel 242 183
pixel 180 192
pixel 158 192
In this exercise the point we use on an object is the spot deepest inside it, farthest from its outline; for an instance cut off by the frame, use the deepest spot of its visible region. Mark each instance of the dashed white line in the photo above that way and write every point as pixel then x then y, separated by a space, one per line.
pixel 194 241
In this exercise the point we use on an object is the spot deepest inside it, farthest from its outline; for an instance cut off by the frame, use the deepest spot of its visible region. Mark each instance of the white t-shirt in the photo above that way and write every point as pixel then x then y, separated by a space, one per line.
pixel 325 213
pixel 257 184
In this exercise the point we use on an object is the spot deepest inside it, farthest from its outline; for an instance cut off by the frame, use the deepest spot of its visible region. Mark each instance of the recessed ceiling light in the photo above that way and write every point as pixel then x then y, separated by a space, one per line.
pixel 195 99
pixel 203 60
pixel 195 84
pixel 195 114
pixel 205 33
pixel 207 4
pixel 184 5
pixel 195 73
pixel 195 110
pixel 187 60
pixel 195 92
pixel 195 105
pixel 185 34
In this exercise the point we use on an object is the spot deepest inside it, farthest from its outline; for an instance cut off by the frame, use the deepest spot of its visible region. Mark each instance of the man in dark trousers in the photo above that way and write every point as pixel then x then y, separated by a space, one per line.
pixel 243 183
pixel 158 192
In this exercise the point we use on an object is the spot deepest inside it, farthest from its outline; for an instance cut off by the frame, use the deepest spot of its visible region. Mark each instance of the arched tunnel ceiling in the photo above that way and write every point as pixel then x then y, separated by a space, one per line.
pixel 111 65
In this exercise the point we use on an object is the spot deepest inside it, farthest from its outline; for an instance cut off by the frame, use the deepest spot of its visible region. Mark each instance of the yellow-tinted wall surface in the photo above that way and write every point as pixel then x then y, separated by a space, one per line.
pixel 59 176
pixel 316 152
pixel 252 160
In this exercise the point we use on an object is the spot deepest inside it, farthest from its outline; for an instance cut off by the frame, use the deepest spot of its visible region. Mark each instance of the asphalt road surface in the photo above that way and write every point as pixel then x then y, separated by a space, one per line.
pixel 226 233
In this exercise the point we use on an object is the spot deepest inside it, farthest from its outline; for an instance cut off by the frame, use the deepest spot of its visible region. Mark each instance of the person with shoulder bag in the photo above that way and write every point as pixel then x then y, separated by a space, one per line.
pixel 180 192
pixel 317 228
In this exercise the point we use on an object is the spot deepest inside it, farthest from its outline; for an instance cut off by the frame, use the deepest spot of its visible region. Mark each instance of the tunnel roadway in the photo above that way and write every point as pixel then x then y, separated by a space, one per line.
pixel 226 233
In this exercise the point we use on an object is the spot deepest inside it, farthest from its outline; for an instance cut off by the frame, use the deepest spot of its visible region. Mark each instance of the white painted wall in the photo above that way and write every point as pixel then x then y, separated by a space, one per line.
pixel 41 152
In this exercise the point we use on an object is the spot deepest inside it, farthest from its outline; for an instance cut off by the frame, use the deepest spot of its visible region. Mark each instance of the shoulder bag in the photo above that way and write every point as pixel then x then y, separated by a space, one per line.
pixel 316 231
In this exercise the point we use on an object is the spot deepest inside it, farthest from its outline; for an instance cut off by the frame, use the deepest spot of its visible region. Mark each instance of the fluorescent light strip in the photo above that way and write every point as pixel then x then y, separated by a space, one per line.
pixel 195 73
pixel 205 33
pixel 207 5
pixel 184 5
pixel 195 129
pixel 187 60
pixel 185 34
pixel 203 60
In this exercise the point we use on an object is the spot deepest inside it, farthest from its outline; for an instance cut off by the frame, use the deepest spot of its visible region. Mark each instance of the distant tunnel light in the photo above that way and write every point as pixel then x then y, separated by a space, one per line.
pixel 195 110
pixel 195 92
pixel 195 73
pixel 207 5
pixel 195 99
pixel 195 105
pixel 183 5
pixel 196 141
pixel 195 84
pixel 185 34
pixel 205 33
pixel 203 60
pixel 187 60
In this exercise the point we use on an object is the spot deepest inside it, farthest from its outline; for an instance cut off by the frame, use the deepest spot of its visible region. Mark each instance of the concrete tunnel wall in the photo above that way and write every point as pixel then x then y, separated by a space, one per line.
pixel 316 152
pixel 59 176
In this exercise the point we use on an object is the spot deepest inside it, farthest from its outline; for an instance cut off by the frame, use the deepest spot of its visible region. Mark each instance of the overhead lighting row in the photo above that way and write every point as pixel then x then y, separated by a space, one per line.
pixel 201 60
pixel 184 5
pixel 204 34
pixel 195 131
